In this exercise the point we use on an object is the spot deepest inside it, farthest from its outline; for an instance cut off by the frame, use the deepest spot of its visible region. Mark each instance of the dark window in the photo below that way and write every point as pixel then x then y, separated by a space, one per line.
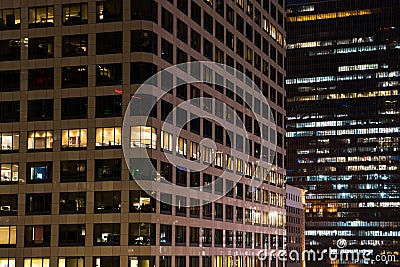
pixel 165 235
pixel 109 261
pixel 109 74
pixel 167 20
pixel 74 45
pixel 195 12
pixel 207 128
pixel 144 10
pixel 107 11
pixel 239 24
pixel 9 111
pixel 229 238
pixel 208 22
pixel 239 191
pixel 181 31
pixel 195 40
pixel 165 261
pixel 38 204
pixel 108 106
pixel 194 236
pixel 140 201
pixel 76 76
pixel 207 261
pixel 42 16
pixel 207 49
pixel 38 172
pixel 183 6
pixel 71 235
pixel 108 169
pixel 239 239
pixel 165 206
pixel 249 32
pixel 230 40
pixel 230 15
pixel 8 205
pixel 40 110
pixel 218 241
pixel 73 171
pixel 180 236
pixel 144 41
pixel 40 47
pixel 180 206
pixel 37 235
pixel 9 80
pixel 142 234
pixel 75 14
pixel 229 212
pixel 108 43
pixel 239 47
pixel 180 261
pixel 220 7
pixel 72 202
pixel 207 237
pixel 219 32
pixel 167 51
pixel 106 234
pixel 41 79
pixel 10 19
pixel 181 176
pixel 219 134
pixel 239 214
pixel 74 108
pixel 218 211
pixel 181 57
pixel 141 71
pixel 10 49
pixel 107 201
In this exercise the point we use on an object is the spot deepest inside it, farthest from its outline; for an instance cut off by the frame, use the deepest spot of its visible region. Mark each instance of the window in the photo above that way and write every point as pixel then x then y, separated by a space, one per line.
pixel 74 76
pixel 108 137
pixel 40 110
pixel 181 57
pixel 10 49
pixel 71 235
pixel 109 261
pixel 8 236
pixel 10 19
pixel 207 261
pixel 9 80
pixel 9 173
pixel 181 146
pixel 140 201
pixel 74 108
pixel 144 10
pixel 219 32
pixel 218 211
pixel 9 111
pixel 108 106
pixel 208 22
pixel 207 49
pixel 229 213
pixel 108 74
pixel 73 171
pixel 239 23
pixel 75 14
pixel 38 203
pixel 108 170
pixel 41 16
pixel 167 51
pixel 142 234
pixel 239 215
pixel 181 176
pixel 40 79
pixel 40 47
pixel 167 20
pixel 107 11
pixel 165 235
pixel 106 234
pixel 195 40
pixel 7 262
pixel 194 236
pixel 166 141
pixel 144 41
pixel 71 262
pixel 207 237
pixel 218 241
pixel 143 137
pixel 207 210
pixel 107 201
pixel 72 202
pixel 194 151
pixel 76 138
pixel 74 45
pixel 142 261
pixel 194 208
pixel 141 71
pixel 195 12
pixel 108 43
pixel 8 205
pixel 181 31
pixel 180 235
pixel 37 262
pixel 40 140
pixel 165 261
pixel 183 6
pixel 38 172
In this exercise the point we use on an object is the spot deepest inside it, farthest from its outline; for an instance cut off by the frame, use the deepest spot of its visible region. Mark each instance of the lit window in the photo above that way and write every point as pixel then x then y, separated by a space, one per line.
pixel 37 262
pixel 9 141
pixel 194 151
pixel 142 261
pixel 181 146
pixel 10 19
pixel 74 138
pixel 7 262
pixel 75 14
pixel 8 235
pixel 38 172
pixel 144 137
pixel 40 140
pixel 38 235
pixel 41 16
pixel 229 162
pixel 207 154
pixel 140 201
pixel 219 159
pixel 239 165
pixel 71 262
pixel 142 234
pixel 249 169
pixel 107 234
pixel 9 173
pixel 108 136
pixel 166 141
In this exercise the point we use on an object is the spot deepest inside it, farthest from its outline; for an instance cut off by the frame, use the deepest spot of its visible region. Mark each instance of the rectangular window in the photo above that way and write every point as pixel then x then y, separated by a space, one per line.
pixel 144 41
pixel 108 137
pixel 181 146
pixel 144 137
pixel 41 16
pixel 167 51
pixel 239 215
pixel 144 10
pixel 9 111
pixel 76 138
pixel 7 262
pixel 42 47
pixel 74 45
pixel 108 74
pixel 74 76
pixel 165 235
pixel 73 171
pixel 141 71
pixel 166 141
pixel 74 14
pixel 39 79
pixel 40 140
pixel 9 173
pixel 107 202
pixel 38 172
pixel 229 213
pixel 140 201
pixel 108 106
pixel 40 110
pixel 195 12
pixel 9 80
pixel 106 234
pixel 142 234
pixel 71 235
pixel 194 151
pixel 181 31
pixel 8 236
pixel 108 170
pixel 194 236
pixel 167 20
pixel 10 49
pixel 107 11
pixel 8 205
pixel 195 40
pixel 208 22
pixel 71 262
pixel 108 43
pixel 10 19
pixel 72 202
pixel 109 261
pixel 207 237
pixel 38 204
pixel 37 262
pixel 180 235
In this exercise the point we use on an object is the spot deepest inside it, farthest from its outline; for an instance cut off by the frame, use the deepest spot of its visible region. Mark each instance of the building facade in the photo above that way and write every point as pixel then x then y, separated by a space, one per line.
pixel 67 73
pixel 343 126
